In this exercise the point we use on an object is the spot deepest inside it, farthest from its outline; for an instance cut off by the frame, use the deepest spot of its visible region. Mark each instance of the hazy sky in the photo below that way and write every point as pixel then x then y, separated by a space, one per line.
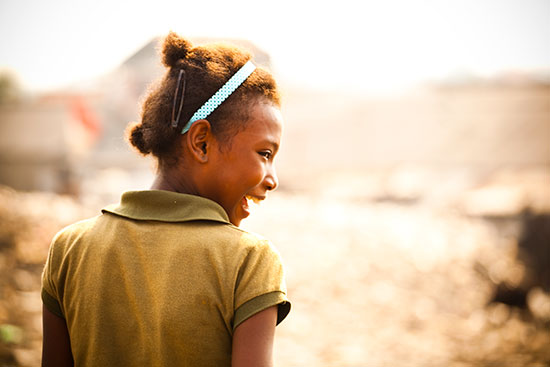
pixel 370 45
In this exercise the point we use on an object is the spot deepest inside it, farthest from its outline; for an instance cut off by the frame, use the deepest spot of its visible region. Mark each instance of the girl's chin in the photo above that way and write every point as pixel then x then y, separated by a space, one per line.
pixel 236 220
pixel 240 212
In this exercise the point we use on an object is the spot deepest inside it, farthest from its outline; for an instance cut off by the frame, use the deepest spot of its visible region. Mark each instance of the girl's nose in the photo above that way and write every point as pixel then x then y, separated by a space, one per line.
pixel 271 181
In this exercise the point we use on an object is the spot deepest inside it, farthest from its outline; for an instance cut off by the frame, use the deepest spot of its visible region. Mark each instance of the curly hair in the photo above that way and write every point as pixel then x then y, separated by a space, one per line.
pixel 207 68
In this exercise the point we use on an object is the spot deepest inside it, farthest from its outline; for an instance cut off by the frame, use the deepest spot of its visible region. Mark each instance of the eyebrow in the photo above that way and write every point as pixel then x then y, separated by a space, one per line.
pixel 268 141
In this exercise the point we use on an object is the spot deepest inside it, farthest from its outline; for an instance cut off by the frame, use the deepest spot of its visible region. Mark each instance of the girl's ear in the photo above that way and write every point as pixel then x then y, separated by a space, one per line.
pixel 199 140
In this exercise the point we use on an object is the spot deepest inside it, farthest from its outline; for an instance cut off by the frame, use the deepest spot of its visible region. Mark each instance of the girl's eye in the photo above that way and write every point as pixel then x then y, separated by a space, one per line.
pixel 266 154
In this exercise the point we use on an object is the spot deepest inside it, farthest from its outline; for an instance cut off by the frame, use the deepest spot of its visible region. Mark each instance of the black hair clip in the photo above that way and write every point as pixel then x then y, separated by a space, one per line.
pixel 175 119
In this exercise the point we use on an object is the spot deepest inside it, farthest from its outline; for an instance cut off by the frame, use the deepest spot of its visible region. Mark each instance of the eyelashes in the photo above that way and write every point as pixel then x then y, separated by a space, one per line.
pixel 267 154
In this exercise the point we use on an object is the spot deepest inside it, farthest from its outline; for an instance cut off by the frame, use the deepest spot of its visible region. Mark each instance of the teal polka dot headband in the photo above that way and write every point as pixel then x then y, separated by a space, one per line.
pixel 221 95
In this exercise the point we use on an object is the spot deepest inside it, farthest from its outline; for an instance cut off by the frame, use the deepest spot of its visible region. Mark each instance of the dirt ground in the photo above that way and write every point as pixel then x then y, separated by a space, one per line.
pixel 388 285
pixel 394 277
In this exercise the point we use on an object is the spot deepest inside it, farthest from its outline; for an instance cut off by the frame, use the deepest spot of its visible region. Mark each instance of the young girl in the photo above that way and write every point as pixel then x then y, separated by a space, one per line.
pixel 166 277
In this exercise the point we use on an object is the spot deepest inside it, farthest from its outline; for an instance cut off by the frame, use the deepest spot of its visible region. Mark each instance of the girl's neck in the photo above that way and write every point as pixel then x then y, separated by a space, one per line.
pixel 173 182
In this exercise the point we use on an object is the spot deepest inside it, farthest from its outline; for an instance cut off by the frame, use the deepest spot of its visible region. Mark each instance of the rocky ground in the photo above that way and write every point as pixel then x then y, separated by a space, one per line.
pixel 393 276
pixel 27 223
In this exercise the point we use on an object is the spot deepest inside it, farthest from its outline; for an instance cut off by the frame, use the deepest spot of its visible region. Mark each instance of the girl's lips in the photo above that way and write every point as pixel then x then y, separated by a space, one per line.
pixel 255 199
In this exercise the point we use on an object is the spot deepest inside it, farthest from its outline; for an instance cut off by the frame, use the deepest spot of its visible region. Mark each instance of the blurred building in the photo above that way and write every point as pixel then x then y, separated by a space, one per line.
pixel 41 139
pixel 60 140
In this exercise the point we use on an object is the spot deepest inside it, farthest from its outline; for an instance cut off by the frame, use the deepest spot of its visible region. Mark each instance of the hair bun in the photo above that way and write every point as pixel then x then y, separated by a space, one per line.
pixel 135 133
pixel 174 49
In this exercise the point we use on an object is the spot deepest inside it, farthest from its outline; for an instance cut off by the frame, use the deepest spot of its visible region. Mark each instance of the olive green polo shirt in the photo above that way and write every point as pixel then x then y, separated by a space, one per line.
pixel 161 279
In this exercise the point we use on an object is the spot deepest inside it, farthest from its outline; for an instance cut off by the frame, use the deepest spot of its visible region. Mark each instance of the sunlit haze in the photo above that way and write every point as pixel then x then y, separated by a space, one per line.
pixel 365 45
pixel 412 213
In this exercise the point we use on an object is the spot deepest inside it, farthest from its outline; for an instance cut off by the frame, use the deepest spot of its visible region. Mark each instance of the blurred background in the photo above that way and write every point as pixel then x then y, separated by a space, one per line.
pixel 413 213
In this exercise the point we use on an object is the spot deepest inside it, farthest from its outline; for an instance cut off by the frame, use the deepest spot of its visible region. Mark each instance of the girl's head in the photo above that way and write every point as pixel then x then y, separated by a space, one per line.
pixel 206 68
pixel 227 155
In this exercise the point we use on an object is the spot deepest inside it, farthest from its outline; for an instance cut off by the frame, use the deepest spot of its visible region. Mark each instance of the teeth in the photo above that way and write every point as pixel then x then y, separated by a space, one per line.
pixel 253 199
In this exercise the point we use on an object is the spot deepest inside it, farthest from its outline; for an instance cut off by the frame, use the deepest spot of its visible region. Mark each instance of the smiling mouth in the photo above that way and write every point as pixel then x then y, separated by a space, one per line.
pixel 247 199
pixel 254 199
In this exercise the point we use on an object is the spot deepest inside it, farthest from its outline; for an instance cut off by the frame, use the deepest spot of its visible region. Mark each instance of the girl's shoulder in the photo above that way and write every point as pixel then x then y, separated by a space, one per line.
pixel 256 243
pixel 76 229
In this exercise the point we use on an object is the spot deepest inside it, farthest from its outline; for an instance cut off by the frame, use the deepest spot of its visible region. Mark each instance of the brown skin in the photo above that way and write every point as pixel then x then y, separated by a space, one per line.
pixel 225 172
pixel 253 340
pixel 56 346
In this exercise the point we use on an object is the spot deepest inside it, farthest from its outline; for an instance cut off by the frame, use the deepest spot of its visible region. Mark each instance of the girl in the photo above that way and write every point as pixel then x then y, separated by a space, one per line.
pixel 166 277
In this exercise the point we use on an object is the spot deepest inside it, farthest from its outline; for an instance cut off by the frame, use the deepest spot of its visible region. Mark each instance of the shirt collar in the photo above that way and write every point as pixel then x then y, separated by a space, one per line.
pixel 167 206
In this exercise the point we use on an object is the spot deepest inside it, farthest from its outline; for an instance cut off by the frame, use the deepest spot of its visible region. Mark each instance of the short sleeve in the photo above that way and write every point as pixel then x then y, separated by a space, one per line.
pixel 49 289
pixel 261 284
